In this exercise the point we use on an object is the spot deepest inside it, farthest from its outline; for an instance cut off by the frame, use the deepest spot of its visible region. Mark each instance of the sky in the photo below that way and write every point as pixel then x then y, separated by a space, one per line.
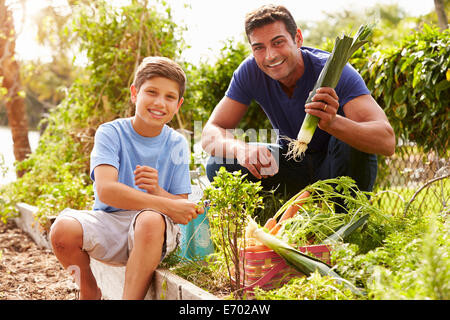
pixel 211 22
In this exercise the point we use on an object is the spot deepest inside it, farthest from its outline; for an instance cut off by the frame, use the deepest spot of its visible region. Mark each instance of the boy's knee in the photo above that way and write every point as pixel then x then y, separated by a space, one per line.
pixel 66 234
pixel 150 226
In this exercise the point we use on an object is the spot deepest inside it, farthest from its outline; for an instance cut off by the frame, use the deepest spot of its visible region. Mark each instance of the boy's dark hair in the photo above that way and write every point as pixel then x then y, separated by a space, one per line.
pixel 151 67
pixel 268 14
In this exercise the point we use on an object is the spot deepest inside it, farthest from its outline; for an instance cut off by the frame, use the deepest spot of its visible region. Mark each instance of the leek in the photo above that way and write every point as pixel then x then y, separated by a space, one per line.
pixel 329 77
pixel 298 260
pixel 346 230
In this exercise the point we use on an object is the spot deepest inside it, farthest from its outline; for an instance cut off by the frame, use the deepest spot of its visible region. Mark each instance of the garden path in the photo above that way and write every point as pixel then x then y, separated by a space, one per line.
pixel 28 272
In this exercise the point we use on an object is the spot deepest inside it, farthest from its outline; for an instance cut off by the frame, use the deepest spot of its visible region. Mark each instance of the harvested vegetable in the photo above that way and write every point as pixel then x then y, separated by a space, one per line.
pixel 294 207
pixel 329 77
pixel 346 230
pixel 311 227
pixel 299 261
pixel 270 223
pixel 290 212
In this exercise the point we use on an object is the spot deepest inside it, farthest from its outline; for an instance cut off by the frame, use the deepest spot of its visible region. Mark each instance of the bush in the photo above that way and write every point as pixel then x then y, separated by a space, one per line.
pixel 207 85
pixel 411 83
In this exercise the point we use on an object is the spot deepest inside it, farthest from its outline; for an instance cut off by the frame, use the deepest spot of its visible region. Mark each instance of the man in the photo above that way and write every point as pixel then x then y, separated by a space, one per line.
pixel 279 76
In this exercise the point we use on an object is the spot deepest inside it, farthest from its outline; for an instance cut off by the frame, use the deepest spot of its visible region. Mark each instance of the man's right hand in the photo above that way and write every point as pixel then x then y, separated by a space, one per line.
pixel 258 160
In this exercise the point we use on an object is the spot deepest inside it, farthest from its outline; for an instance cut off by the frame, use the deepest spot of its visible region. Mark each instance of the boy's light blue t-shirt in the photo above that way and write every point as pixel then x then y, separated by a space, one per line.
pixel 119 145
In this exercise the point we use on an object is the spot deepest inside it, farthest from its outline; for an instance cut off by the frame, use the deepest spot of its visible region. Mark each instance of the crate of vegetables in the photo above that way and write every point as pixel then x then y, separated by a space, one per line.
pixel 295 246
pixel 263 267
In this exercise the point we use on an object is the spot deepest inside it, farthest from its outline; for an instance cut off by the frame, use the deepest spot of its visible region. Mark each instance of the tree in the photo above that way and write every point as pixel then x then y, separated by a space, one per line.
pixel 442 16
pixel 46 83
pixel 392 21
pixel 10 89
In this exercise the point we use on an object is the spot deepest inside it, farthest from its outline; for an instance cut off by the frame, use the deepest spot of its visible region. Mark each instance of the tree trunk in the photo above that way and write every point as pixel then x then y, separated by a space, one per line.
pixel 11 87
pixel 442 16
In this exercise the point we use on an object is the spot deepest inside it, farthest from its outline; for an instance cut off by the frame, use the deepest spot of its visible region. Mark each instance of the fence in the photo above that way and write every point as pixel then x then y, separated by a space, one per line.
pixel 410 171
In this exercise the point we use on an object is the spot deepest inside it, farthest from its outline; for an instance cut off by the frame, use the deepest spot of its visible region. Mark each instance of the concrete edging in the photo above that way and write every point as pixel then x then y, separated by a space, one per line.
pixel 165 285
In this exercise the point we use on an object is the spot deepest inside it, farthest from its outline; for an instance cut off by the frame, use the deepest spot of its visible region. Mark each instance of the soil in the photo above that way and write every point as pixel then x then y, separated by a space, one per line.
pixel 28 272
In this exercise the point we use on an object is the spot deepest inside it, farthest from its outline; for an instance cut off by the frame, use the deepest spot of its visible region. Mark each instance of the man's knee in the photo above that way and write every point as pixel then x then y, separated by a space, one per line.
pixel 231 165
pixel 66 234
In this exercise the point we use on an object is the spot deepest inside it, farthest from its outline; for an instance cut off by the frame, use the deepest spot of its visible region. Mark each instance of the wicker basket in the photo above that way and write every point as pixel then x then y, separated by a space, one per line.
pixel 267 270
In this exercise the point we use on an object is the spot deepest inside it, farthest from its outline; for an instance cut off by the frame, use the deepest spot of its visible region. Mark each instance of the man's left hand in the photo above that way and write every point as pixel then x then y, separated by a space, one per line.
pixel 324 105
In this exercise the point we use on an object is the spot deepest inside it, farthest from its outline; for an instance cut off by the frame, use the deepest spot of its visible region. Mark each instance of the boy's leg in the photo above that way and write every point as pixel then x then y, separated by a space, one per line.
pixel 149 236
pixel 67 241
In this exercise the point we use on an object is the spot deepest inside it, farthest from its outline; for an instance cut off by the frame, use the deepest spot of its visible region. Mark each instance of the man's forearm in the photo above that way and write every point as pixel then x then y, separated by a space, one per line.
pixel 220 142
pixel 375 137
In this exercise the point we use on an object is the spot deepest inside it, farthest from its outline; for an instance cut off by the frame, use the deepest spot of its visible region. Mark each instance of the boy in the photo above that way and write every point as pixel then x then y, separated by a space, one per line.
pixel 140 169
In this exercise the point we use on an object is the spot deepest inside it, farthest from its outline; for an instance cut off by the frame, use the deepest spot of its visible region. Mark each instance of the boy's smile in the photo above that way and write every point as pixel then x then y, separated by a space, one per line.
pixel 157 101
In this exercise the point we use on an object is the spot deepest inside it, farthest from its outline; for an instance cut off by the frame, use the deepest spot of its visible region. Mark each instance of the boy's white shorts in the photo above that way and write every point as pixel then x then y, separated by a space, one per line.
pixel 109 236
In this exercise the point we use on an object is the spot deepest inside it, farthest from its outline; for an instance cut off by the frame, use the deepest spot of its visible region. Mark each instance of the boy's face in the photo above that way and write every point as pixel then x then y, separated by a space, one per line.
pixel 156 102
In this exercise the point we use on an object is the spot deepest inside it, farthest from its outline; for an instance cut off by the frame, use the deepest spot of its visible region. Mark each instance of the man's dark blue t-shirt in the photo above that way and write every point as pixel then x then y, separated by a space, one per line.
pixel 287 114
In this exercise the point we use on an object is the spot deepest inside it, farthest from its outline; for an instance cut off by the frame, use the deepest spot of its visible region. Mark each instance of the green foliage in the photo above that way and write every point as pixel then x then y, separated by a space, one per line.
pixel 413 262
pixel 410 262
pixel 314 287
pixel 410 83
pixel 207 85
pixel 392 21
pixel 46 85
pixel 317 218
pixel 233 199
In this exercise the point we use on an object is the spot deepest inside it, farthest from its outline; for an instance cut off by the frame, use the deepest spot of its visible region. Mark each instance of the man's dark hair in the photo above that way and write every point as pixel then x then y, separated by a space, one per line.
pixel 268 14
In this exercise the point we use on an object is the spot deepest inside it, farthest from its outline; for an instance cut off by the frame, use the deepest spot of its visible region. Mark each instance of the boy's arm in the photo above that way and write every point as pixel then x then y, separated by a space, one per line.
pixel 146 178
pixel 111 192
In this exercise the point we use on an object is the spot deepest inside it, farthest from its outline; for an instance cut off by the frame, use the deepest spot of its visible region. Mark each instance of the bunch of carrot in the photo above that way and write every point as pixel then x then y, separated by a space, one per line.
pixel 274 226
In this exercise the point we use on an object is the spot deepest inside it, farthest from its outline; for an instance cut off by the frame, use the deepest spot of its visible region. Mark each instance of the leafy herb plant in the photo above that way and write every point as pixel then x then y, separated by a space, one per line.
pixel 233 199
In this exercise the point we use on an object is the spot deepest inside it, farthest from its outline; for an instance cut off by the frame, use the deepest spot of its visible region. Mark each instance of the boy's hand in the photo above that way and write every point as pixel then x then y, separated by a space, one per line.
pixel 182 210
pixel 147 178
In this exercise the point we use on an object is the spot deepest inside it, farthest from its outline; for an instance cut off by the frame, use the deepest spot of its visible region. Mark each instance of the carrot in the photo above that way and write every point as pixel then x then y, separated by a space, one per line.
pixel 293 209
pixel 275 229
pixel 270 223
pixel 289 213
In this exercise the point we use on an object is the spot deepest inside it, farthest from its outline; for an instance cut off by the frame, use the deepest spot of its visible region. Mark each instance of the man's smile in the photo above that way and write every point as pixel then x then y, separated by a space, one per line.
pixel 276 64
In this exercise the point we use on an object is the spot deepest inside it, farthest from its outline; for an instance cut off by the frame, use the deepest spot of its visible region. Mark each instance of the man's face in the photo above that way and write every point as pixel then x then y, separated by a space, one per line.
pixel 276 53
pixel 156 102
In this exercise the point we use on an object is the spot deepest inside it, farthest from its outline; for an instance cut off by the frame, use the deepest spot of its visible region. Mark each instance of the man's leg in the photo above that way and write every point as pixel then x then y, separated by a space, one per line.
pixel 149 236
pixel 343 160
pixel 67 241
pixel 292 175
pixel 214 164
